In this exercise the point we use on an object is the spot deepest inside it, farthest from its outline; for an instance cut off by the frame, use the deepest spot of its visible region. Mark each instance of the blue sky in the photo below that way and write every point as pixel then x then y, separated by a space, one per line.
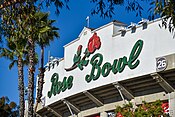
pixel 70 22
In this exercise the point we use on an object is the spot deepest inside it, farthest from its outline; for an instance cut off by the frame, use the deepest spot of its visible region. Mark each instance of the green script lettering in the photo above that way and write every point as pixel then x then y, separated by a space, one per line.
pixel 106 69
pixel 58 87
pixel 98 69
pixel 118 64
pixel 96 61
pixel 134 54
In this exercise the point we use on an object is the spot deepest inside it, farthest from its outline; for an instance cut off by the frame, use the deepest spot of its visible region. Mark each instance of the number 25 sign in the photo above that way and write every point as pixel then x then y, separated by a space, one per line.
pixel 161 63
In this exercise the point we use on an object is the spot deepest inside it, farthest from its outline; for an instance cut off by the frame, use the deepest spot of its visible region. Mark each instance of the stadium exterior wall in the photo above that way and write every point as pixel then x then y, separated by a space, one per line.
pixel 108 55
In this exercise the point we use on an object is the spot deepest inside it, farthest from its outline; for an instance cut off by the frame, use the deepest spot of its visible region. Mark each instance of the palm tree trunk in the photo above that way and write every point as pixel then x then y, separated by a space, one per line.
pixel 21 87
pixel 31 77
pixel 41 78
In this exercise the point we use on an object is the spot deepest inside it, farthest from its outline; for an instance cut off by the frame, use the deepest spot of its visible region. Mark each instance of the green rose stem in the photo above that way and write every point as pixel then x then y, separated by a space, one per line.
pixel 75 65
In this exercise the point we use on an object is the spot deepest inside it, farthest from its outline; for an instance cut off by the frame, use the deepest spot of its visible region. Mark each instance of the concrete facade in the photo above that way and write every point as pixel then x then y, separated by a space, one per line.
pixel 151 79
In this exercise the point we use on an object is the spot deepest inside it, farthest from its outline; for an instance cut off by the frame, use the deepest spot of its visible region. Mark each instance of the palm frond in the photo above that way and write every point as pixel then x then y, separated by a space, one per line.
pixel 7 54
pixel 44 29
pixel 12 64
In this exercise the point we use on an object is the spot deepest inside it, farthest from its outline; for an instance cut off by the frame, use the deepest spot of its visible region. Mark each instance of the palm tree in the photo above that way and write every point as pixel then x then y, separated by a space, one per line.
pixel 46 33
pixel 26 31
pixel 39 30
pixel 31 41
pixel 25 19
pixel 17 47
pixel 16 52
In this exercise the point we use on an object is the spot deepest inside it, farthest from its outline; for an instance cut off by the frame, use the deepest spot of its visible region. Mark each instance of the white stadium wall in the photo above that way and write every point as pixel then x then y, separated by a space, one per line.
pixel 153 42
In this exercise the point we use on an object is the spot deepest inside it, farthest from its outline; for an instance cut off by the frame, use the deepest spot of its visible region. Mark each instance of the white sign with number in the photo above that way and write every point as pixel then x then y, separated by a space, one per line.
pixel 161 64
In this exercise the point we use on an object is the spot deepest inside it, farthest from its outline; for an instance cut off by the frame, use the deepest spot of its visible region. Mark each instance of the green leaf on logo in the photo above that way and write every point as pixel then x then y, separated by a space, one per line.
pixel 76 58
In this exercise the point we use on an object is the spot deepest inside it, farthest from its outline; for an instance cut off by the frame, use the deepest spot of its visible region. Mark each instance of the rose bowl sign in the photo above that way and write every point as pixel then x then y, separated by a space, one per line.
pixel 98 67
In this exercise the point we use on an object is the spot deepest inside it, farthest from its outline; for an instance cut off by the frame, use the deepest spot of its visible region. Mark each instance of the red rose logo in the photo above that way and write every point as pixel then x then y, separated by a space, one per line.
pixel 79 48
pixel 94 43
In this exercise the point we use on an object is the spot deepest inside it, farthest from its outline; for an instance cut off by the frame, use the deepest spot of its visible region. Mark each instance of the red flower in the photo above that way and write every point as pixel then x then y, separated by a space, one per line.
pixel 119 114
pixel 79 48
pixel 94 43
